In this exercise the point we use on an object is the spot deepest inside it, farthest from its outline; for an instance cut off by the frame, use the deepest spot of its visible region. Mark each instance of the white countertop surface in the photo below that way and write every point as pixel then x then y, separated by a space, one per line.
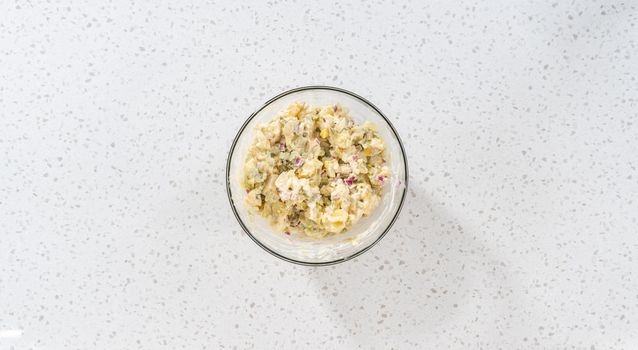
pixel 520 122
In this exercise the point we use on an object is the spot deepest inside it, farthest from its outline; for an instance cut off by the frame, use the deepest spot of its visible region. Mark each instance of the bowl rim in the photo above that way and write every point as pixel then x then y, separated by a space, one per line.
pixel 240 132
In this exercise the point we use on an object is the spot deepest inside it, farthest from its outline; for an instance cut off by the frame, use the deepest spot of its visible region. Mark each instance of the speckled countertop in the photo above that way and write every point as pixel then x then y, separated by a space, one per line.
pixel 521 126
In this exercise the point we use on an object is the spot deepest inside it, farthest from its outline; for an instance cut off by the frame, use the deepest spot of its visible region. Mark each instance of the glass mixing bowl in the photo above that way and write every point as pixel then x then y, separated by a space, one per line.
pixel 361 236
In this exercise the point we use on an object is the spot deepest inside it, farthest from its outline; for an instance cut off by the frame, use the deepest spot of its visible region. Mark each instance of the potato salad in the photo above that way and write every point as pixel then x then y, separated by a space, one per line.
pixel 314 171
